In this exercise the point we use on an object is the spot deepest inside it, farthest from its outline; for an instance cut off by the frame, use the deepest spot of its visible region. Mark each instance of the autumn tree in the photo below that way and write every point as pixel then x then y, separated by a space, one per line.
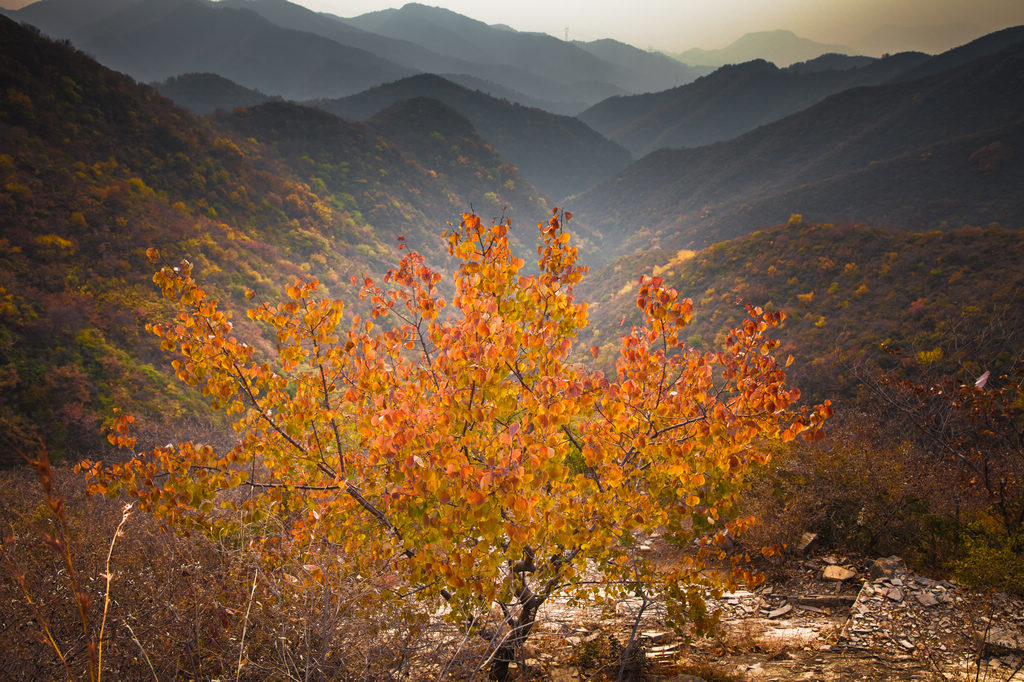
pixel 465 454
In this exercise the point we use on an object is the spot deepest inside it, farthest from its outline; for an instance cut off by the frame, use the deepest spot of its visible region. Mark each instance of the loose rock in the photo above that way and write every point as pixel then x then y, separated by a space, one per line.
pixel 887 567
pixel 838 573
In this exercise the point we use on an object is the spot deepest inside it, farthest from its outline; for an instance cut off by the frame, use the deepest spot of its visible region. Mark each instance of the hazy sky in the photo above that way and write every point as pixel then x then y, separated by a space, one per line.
pixel 676 25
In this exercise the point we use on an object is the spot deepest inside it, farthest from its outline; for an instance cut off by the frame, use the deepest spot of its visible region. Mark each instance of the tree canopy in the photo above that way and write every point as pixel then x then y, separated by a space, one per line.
pixel 466 452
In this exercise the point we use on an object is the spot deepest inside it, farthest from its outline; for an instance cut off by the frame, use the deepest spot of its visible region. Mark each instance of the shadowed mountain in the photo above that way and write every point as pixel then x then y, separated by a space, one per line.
pixel 728 102
pixel 561 106
pixel 204 93
pixel 778 47
pixel 941 151
pixel 830 62
pixel 559 154
pixel 298 53
pixel 152 40
pixel 62 19
pixel 445 143
pixel 958 56
pixel 298 18
pixel 642 71
pixel 537 64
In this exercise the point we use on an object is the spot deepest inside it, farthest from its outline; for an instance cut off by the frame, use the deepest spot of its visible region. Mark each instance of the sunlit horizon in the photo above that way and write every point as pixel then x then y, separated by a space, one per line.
pixel 864 26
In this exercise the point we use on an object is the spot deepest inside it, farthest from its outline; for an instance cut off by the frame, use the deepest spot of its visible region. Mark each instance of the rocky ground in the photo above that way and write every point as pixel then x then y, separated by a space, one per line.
pixel 818 618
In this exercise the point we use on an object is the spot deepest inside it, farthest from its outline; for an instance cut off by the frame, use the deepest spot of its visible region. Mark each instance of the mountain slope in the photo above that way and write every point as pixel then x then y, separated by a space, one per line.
pixel 558 154
pixel 779 47
pixel 642 71
pixel 445 143
pixel 728 102
pixel 940 151
pixel 448 33
pixel 845 290
pixel 204 93
pixel 298 18
pixel 964 54
pixel 95 168
pixel 152 40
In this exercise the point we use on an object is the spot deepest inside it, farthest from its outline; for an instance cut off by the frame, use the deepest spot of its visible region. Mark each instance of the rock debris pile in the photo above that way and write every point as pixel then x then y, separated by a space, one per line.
pixel 829 618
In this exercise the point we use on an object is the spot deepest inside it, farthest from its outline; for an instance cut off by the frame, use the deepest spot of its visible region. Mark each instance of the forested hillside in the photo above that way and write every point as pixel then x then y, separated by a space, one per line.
pixel 95 169
pixel 851 293
pixel 204 93
pixel 560 154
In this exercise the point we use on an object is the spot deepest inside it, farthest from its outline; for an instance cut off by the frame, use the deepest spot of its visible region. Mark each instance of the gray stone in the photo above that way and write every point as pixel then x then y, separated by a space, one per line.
pixel 781 611
pixel 907 644
pixel 1000 641
pixel 895 594
pixel 926 599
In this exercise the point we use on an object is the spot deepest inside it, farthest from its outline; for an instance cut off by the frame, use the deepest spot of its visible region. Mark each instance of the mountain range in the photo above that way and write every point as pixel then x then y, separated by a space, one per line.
pixel 780 47
pixel 96 167
pixel 284 49
pixel 940 151
pixel 560 154
pixel 152 40
pixel 731 101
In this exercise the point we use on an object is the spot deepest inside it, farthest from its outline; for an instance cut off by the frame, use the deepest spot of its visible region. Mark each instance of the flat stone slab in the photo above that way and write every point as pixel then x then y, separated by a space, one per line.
pixel 840 573
pixel 895 594
pixel 1000 641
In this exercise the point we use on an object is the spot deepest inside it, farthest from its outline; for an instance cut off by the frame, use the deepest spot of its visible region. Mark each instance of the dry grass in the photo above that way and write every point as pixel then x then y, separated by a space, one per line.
pixel 90 591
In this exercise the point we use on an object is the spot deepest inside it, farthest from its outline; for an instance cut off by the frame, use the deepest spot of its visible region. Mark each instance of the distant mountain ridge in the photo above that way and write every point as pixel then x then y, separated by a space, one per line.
pixel 204 93
pixel 779 47
pixel 152 40
pixel 573 71
pixel 731 101
pixel 946 150
pixel 560 154
pixel 285 49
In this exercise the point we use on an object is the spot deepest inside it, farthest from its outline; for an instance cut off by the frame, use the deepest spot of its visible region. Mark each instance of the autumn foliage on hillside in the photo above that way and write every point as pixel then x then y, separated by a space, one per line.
pixel 95 168
pixel 465 452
